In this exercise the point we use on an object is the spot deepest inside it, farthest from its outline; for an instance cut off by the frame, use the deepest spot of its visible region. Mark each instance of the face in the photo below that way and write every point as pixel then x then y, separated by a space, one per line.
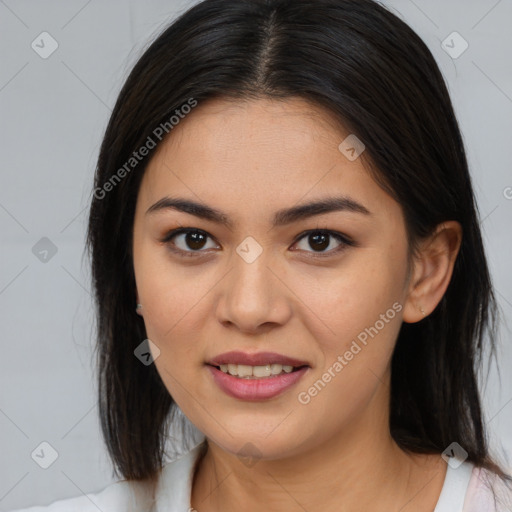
pixel 324 288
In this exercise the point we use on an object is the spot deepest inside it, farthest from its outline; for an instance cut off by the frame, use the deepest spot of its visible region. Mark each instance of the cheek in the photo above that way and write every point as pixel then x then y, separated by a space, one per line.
pixel 360 313
pixel 344 304
pixel 171 306
pixel 163 289
pixel 163 295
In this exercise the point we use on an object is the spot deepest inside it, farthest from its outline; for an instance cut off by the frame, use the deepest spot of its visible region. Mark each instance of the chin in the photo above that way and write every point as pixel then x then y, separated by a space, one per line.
pixel 251 446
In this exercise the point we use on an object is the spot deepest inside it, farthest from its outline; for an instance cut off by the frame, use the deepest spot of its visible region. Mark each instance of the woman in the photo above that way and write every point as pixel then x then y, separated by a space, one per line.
pixel 286 248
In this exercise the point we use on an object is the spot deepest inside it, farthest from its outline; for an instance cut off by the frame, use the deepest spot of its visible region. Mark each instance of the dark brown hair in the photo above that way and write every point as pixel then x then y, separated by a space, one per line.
pixel 373 73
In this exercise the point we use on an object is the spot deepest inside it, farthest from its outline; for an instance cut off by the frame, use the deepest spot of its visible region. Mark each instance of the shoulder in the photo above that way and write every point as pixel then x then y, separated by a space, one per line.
pixel 122 496
pixel 487 492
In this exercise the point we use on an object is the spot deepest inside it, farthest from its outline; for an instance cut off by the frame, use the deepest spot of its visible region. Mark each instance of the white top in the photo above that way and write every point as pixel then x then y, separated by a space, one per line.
pixel 463 490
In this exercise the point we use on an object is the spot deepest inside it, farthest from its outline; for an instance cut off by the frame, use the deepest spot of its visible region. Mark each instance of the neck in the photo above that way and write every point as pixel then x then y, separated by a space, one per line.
pixel 360 468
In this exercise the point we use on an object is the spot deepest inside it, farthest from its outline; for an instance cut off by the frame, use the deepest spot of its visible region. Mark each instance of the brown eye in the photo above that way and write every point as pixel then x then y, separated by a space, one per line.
pixel 195 240
pixel 187 240
pixel 321 241
pixel 191 242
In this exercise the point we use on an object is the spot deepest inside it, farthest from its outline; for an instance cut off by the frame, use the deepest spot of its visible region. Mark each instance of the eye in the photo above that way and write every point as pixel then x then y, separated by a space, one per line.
pixel 187 241
pixel 191 241
pixel 321 241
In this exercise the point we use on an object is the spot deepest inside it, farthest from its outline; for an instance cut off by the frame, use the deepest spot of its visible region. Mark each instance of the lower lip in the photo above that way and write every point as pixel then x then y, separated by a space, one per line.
pixel 255 389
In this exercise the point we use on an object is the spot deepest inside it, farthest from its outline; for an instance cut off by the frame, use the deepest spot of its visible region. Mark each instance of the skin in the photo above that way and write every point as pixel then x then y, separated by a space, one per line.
pixel 335 453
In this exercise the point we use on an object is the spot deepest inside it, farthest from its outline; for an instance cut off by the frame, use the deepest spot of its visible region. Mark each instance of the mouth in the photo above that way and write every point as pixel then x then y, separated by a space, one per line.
pixel 243 371
pixel 257 360
pixel 257 376
pixel 251 388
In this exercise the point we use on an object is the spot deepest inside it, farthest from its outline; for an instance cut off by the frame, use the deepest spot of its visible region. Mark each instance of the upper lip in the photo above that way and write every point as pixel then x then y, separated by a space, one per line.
pixel 256 359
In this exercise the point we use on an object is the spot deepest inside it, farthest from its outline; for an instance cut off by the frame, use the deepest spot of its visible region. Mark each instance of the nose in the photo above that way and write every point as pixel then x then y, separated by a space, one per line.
pixel 253 296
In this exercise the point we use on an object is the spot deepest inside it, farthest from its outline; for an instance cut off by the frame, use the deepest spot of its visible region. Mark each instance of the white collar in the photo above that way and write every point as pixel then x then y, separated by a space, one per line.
pixel 175 485
pixel 454 488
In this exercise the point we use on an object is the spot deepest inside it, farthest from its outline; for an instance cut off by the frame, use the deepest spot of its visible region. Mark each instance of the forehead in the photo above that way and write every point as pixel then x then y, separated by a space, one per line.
pixel 257 156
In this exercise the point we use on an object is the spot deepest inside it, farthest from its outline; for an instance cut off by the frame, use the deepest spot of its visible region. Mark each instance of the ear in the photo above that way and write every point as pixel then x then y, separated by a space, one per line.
pixel 432 270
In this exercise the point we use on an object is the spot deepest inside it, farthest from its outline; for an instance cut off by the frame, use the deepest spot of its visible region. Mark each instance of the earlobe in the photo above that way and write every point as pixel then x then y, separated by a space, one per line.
pixel 138 307
pixel 433 269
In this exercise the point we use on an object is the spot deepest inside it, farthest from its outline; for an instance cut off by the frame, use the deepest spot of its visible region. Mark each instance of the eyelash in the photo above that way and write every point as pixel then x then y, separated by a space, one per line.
pixel 344 241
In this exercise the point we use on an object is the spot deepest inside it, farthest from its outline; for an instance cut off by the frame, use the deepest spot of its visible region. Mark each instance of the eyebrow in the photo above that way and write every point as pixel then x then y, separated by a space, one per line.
pixel 281 218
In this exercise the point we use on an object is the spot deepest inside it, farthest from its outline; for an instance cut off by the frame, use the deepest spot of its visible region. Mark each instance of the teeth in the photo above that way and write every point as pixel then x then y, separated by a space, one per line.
pixel 246 372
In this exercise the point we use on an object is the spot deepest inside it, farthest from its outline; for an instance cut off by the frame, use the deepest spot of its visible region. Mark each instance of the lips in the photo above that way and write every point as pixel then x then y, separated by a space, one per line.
pixel 256 359
pixel 258 389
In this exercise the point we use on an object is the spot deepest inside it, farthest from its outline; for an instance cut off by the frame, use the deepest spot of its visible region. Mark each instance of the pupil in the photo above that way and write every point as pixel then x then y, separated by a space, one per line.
pixel 195 240
pixel 320 239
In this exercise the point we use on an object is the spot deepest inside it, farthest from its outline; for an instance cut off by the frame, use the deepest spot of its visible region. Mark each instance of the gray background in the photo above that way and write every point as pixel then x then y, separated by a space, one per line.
pixel 53 113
